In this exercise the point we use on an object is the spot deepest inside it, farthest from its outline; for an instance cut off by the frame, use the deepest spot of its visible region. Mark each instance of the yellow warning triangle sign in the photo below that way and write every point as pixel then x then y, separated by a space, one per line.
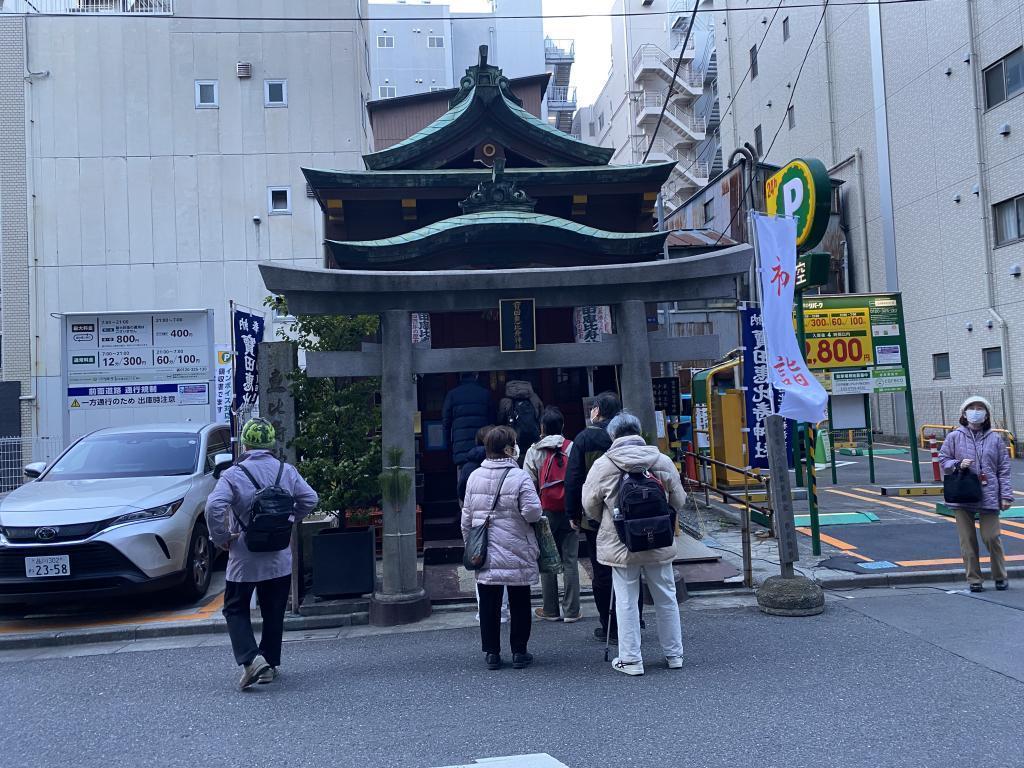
pixel 75 404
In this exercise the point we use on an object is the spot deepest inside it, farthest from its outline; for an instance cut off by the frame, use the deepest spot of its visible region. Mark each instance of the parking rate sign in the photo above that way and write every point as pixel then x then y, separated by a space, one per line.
pixel 854 331
pixel 137 359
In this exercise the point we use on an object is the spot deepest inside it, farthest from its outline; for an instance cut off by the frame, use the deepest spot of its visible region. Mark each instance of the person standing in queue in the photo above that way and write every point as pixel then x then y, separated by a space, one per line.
pixel 229 511
pixel 973 446
pixel 588 447
pixel 547 462
pixel 466 409
pixel 501 495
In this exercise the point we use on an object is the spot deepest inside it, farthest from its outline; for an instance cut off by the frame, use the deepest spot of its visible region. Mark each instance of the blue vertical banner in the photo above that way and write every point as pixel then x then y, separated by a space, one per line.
pixel 758 390
pixel 247 329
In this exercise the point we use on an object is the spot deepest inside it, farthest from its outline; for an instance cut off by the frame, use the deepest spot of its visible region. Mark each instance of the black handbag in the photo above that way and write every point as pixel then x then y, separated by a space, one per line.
pixel 474 555
pixel 961 486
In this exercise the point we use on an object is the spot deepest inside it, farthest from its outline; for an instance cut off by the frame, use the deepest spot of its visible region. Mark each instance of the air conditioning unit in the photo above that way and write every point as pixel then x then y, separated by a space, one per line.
pixel 243 69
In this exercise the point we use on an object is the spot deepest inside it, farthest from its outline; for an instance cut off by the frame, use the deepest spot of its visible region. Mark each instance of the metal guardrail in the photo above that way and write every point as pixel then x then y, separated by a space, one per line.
pixel 650 56
pixel 944 429
pixel 559 49
pixel 562 94
pixel 88 7
pixel 686 117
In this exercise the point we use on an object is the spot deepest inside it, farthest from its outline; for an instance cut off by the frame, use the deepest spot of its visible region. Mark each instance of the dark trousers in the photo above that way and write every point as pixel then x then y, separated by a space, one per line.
pixel 602 584
pixel 273 597
pixel 520 620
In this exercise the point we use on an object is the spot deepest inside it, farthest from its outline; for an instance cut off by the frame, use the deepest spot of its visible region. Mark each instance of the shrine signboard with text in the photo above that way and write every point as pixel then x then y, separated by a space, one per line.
pixel 518 325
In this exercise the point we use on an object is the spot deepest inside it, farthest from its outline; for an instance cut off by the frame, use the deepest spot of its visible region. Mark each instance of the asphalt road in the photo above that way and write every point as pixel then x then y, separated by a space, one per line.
pixel 904 678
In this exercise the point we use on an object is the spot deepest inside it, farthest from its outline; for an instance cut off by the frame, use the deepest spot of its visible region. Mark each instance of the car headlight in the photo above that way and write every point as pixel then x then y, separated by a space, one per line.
pixel 146 515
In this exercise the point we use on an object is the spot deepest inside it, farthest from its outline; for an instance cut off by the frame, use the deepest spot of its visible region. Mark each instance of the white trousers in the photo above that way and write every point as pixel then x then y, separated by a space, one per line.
pixel 662 584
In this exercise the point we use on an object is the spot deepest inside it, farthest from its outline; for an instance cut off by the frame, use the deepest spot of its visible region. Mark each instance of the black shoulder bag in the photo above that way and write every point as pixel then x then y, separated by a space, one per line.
pixel 474 555
pixel 961 486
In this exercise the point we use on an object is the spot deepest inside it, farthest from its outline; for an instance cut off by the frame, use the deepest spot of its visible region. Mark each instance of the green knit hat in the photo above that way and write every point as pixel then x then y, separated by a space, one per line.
pixel 259 433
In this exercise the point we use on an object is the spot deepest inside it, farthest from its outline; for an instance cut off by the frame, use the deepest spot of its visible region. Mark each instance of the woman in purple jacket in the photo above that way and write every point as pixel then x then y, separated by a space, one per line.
pixel 975 447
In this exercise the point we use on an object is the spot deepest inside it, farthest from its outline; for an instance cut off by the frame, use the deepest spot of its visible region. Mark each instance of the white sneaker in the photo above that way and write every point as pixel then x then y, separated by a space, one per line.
pixel 633 668
pixel 269 675
pixel 675 662
pixel 251 672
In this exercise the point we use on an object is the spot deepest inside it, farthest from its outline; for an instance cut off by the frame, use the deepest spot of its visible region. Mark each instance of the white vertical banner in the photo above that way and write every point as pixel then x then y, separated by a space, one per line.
pixel 803 397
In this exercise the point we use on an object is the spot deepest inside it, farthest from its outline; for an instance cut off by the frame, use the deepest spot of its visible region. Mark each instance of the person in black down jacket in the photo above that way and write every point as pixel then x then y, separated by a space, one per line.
pixel 466 408
pixel 473 460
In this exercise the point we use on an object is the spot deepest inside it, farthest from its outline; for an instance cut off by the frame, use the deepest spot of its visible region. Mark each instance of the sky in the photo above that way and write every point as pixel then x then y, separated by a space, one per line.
pixel 593 37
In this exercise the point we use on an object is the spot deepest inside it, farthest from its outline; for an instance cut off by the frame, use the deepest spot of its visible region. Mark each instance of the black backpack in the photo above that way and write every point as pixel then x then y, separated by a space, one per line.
pixel 523 420
pixel 643 519
pixel 270 516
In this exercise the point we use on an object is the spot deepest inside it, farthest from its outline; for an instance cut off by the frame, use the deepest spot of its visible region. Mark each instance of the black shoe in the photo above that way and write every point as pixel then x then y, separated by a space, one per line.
pixel 977 588
pixel 1002 585
pixel 643 624
pixel 600 633
pixel 521 660
pixel 493 661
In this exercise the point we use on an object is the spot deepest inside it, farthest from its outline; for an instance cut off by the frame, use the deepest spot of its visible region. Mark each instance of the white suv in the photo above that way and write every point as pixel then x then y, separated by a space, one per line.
pixel 121 510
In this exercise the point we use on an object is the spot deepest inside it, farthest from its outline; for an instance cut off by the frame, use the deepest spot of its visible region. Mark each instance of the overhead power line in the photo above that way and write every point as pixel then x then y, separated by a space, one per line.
pixel 465 16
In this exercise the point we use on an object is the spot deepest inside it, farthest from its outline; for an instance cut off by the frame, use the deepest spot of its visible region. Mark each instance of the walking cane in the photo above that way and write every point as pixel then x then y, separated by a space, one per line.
pixel 608 635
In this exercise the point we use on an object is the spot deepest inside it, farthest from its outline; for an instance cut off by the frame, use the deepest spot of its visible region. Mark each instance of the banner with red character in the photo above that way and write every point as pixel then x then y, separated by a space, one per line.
pixel 803 397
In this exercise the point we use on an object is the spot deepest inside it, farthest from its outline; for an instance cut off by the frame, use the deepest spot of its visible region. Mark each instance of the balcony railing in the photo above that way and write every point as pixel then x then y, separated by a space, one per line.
pixel 653 101
pixel 650 56
pixel 116 7
pixel 559 49
pixel 562 95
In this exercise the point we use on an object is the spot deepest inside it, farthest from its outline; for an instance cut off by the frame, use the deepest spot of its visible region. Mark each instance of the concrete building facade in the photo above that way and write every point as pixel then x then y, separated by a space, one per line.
pixel 920 110
pixel 150 160
pixel 647 44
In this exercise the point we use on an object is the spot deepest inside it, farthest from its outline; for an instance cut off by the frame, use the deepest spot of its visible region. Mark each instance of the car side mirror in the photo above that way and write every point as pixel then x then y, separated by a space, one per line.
pixel 221 462
pixel 35 469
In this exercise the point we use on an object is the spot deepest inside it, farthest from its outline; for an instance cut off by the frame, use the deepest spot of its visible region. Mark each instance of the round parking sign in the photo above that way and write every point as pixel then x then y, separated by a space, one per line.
pixel 802 189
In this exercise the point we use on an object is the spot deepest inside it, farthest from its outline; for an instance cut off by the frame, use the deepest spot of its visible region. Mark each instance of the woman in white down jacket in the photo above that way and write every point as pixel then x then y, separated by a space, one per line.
pixel 512 548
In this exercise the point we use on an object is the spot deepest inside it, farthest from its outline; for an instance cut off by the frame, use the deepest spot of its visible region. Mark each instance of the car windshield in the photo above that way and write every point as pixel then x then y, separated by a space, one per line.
pixel 129 455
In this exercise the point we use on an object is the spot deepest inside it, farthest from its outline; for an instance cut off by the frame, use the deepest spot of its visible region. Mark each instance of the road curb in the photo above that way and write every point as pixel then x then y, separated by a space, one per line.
pixel 905 578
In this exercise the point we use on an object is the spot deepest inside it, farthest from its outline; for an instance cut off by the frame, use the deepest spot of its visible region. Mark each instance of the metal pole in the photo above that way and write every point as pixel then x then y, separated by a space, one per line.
pixel 748 565
pixel 812 492
pixel 801 337
pixel 831 443
pixel 942 408
pixel 871 438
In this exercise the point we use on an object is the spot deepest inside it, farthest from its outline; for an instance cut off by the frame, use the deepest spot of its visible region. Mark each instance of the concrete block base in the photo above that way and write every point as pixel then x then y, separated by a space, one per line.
pixel 798 596
pixel 405 608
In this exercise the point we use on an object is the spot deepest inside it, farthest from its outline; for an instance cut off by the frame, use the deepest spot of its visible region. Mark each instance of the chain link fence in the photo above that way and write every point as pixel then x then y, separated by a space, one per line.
pixel 16 452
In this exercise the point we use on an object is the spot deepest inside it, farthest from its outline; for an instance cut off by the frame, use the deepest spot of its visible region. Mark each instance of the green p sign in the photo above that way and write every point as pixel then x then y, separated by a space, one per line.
pixel 803 190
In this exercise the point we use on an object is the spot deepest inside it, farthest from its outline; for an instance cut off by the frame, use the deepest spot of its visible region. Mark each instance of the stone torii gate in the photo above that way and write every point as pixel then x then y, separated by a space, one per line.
pixel 394 295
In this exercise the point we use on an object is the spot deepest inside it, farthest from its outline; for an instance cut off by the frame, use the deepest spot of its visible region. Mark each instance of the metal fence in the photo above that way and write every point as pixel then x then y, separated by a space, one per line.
pixel 80 7
pixel 16 452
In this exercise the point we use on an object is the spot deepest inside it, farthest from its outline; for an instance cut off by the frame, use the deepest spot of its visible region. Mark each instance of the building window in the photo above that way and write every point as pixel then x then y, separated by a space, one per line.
pixel 785 29
pixel 385 41
pixel 279 200
pixel 1004 79
pixel 709 211
pixel 600 121
pixel 940 365
pixel 1009 220
pixel 753 62
pixel 387 91
pixel 435 41
pixel 992 361
pixel 206 94
pixel 591 128
pixel 791 116
pixel 758 141
pixel 275 93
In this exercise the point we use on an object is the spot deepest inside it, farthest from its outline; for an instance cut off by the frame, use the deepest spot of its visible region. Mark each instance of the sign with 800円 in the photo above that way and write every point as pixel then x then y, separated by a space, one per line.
pixel 853 331
pixel 801 189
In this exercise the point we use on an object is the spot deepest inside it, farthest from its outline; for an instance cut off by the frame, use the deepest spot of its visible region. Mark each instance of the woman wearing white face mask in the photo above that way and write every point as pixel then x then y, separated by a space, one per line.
pixel 501 495
pixel 973 446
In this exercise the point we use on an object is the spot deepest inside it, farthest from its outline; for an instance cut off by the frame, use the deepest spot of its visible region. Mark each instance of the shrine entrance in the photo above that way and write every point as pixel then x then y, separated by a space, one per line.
pixel 454 245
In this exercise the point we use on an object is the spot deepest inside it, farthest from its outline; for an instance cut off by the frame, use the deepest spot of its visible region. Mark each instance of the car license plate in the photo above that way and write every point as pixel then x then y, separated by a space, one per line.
pixel 50 565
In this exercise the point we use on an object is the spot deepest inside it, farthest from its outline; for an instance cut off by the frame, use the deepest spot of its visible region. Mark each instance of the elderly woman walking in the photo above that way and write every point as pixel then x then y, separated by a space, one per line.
pixel 501 495
pixel 974 447
pixel 629 453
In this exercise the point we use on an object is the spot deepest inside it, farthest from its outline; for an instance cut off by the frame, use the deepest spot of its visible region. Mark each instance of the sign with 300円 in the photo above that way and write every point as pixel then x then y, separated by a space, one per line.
pixel 801 189
pixel 853 331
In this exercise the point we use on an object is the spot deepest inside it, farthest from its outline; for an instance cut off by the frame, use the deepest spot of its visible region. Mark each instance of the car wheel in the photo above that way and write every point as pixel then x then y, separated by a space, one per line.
pixel 198 564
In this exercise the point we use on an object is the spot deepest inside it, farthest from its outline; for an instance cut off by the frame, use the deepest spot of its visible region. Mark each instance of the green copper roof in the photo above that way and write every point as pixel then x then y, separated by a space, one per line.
pixel 514 218
pixel 485 110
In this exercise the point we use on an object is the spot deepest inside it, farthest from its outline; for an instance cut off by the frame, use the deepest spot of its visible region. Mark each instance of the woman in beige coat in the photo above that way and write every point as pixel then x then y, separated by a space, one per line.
pixel 502 495
pixel 630 453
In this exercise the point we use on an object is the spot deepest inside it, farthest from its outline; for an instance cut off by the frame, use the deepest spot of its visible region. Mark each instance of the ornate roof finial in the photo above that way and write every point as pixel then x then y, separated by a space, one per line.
pixel 498 194
pixel 483 75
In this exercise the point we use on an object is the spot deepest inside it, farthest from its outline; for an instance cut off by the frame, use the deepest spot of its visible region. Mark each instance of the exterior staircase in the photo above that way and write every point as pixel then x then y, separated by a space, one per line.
pixel 559 56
